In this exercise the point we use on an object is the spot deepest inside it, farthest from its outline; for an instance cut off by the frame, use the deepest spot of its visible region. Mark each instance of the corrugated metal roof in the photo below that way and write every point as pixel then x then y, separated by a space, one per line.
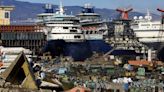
pixel 139 63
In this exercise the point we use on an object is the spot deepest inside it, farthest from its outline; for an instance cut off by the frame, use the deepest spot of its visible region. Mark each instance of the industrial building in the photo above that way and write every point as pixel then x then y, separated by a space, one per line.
pixel 27 36
pixel 5 14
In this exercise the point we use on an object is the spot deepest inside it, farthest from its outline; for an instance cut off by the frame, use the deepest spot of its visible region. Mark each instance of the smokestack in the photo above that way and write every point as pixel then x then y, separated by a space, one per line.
pixel 48 8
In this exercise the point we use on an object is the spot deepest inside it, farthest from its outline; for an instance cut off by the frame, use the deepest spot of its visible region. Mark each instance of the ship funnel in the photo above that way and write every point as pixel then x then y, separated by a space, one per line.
pixel 124 12
pixel 48 8
pixel 88 5
pixel 88 8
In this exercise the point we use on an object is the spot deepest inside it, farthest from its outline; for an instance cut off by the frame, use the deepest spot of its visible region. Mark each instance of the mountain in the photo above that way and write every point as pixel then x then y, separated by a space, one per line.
pixel 25 10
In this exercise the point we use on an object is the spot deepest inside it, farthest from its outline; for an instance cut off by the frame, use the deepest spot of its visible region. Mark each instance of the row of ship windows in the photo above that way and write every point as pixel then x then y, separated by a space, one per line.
pixel 146 27
pixel 150 25
pixel 64 23
pixel 91 32
pixel 66 27
pixel 76 36
pixel 86 32
pixel 72 31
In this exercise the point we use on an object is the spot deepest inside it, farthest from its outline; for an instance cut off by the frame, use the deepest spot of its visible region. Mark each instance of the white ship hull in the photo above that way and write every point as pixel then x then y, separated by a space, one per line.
pixel 93 37
pixel 150 35
pixel 66 37
pixel 147 30
pixel 151 40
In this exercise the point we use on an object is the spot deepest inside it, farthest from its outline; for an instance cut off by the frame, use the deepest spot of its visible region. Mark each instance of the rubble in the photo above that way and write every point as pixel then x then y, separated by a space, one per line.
pixel 19 77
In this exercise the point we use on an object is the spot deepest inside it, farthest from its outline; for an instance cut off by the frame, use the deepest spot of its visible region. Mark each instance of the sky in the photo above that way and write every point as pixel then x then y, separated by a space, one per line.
pixel 138 5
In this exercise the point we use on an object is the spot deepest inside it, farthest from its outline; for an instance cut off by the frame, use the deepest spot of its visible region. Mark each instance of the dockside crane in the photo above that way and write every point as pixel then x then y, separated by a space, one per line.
pixel 160 51
pixel 162 15
pixel 124 12
pixel 162 22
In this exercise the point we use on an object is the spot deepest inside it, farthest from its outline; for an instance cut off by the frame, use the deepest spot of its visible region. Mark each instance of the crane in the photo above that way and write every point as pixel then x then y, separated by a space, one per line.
pixel 124 12
pixel 162 27
pixel 162 15
pixel 162 18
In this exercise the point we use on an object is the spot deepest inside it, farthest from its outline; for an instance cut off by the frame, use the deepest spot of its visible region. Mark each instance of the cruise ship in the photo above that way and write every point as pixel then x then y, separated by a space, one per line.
pixel 148 31
pixel 92 24
pixel 94 29
pixel 60 26
pixel 76 36
pixel 64 34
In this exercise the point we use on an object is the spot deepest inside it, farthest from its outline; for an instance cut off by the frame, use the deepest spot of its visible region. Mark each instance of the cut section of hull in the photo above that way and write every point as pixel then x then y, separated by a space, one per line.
pixel 77 50
pixel 82 50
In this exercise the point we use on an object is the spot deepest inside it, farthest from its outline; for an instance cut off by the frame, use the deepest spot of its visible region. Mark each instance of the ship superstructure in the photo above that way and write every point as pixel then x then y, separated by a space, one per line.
pixel 64 34
pixel 147 30
pixel 60 26
pixel 94 29
pixel 92 25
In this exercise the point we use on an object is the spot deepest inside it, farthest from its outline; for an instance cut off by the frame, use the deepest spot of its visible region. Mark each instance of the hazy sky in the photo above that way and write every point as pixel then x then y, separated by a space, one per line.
pixel 138 5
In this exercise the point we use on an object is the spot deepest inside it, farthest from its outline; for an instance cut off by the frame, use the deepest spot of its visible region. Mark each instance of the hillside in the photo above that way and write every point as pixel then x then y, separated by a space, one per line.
pixel 25 10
